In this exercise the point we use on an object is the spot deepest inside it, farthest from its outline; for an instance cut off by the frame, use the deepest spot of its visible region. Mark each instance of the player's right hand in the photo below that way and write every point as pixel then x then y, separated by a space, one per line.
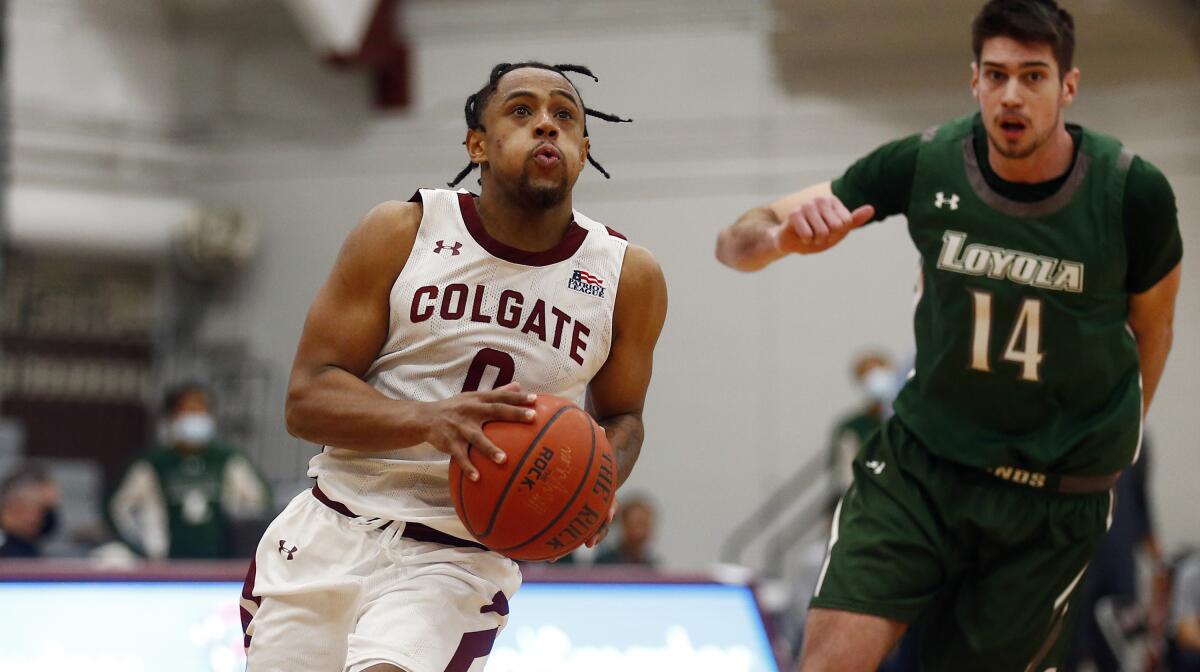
pixel 819 225
pixel 456 423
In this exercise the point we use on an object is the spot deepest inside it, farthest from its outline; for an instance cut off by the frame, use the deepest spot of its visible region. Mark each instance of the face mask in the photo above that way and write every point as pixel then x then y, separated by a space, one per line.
pixel 193 429
pixel 880 384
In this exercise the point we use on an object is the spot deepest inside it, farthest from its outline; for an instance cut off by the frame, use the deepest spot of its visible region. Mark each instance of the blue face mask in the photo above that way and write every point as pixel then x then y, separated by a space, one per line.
pixel 192 429
pixel 880 384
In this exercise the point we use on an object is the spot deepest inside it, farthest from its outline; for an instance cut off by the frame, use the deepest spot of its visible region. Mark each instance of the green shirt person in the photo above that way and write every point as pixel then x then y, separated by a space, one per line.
pixel 1050 262
pixel 178 499
pixel 874 374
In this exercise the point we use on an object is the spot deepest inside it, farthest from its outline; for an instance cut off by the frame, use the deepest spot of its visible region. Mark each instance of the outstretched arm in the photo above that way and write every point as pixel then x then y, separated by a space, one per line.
pixel 328 401
pixel 807 221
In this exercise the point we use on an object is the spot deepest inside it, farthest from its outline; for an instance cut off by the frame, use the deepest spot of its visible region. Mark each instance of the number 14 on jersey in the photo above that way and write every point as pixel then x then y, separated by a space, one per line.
pixel 1024 342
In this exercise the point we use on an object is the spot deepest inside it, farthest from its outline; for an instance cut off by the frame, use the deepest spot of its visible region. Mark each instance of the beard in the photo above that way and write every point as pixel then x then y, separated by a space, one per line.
pixel 543 195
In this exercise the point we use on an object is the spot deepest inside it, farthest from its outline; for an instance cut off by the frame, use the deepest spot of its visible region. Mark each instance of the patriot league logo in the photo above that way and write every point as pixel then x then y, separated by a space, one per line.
pixel 582 281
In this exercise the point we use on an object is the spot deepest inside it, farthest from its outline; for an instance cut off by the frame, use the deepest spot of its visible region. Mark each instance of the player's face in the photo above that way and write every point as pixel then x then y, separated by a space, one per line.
pixel 1021 94
pixel 533 146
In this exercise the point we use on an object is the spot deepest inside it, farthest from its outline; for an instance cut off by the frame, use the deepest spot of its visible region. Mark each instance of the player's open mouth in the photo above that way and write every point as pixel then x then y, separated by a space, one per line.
pixel 1012 128
pixel 546 156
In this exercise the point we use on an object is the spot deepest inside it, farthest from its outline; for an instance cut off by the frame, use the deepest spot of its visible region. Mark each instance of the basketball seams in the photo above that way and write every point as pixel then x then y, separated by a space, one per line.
pixel 517 470
pixel 575 496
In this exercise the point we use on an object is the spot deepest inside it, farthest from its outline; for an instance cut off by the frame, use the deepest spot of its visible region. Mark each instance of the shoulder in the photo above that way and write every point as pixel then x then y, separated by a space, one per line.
pixel 378 247
pixel 949 131
pixel 390 221
pixel 641 272
pixel 1146 183
pixel 642 300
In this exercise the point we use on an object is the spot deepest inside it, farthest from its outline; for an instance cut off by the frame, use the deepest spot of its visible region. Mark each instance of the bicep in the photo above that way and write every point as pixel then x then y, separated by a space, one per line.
pixel 1156 306
pixel 621 384
pixel 348 321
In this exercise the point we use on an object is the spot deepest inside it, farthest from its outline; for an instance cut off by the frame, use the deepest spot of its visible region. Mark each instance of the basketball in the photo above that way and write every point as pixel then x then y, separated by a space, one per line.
pixel 551 494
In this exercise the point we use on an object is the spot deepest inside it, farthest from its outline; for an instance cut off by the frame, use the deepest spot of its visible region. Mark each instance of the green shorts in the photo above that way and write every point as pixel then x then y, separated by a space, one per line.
pixel 984 569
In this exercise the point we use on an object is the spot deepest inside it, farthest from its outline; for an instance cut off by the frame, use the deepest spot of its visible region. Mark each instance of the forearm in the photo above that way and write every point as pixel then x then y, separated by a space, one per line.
pixel 1153 344
pixel 336 408
pixel 749 244
pixel 1187 635
pixel 625 433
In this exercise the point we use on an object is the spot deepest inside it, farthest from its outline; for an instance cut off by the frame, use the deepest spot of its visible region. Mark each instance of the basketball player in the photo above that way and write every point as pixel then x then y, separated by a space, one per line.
pixel 1050 260
pixel 441 314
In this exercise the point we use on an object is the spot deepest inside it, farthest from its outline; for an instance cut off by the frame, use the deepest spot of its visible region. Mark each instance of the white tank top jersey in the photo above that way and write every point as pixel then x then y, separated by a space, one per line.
pixel 471 313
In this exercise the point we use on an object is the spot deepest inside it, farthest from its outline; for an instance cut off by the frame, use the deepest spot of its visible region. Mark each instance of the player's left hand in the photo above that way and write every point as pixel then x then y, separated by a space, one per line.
pixel 603 531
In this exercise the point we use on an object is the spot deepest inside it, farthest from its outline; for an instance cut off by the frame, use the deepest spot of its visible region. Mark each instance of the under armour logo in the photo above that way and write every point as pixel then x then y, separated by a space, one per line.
pixel 284 549
pixel 454 249
pixel 942 200
pixel 875 465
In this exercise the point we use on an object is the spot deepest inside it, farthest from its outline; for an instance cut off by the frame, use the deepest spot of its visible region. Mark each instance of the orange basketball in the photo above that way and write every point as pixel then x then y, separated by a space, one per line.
pixel 551 494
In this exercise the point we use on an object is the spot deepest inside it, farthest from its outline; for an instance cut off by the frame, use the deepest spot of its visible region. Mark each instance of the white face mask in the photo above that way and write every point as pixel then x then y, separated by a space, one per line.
pixel 880 384
pixel 193 429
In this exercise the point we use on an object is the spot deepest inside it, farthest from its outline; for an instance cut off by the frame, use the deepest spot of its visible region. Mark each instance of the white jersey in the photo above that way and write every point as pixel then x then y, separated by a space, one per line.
pixel 471 313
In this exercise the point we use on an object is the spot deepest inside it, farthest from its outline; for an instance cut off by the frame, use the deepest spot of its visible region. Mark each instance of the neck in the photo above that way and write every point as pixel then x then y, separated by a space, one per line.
pixel 521 226
pixel 1050 160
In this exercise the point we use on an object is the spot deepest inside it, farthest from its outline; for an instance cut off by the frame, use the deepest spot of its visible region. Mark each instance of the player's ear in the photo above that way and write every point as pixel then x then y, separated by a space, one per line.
pixel 1070 86
pixel 584 148
pixel 476 149
pixel 974 79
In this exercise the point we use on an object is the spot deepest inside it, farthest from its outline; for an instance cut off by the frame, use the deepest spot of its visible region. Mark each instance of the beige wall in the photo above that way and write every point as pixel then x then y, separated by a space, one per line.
pixel 734 102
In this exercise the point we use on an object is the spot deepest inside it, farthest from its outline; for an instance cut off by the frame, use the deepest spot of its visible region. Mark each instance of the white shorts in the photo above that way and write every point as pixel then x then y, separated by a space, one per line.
pixel 330 593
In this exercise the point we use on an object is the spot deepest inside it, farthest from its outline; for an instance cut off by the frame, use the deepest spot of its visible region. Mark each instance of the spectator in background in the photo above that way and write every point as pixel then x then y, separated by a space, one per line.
pixel 28 511
pixel 179 499
pixel 637 518
pixel 1184 625
pixel 1113 573
pixel 874 374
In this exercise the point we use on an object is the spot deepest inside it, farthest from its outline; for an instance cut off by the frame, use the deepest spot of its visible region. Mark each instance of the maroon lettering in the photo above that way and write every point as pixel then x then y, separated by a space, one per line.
pixel 537 320
pixel 477 314
pixel 454 301
pixel 505 317
pixel 472 646
pixel 561 318
pixel 578 344
pixel 419 313
pixel 501 361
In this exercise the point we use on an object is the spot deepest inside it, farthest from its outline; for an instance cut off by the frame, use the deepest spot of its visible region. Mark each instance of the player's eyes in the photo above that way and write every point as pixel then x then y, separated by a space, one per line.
pixel 521 111
pixel 1035 76
pixel 996 76
pixel 565 114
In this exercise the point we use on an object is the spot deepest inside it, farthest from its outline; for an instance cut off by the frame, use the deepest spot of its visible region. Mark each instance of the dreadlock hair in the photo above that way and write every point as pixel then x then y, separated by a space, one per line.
pixel 477 103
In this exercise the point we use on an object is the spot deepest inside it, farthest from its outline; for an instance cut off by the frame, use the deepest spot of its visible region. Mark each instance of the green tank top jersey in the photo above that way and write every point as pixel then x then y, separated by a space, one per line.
pixel 1024 359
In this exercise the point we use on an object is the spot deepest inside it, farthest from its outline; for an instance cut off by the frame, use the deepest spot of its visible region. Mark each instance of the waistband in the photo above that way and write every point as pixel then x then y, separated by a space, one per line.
pixel 414 531
pixel 1064 483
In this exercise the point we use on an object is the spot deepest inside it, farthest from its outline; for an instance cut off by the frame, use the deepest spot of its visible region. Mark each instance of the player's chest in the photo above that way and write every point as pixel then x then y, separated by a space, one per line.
pixel 560 308
pixel 1074 250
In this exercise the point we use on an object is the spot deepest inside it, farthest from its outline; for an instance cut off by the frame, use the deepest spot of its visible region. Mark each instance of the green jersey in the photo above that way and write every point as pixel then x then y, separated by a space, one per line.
pixel 194 490
pixel 1024 359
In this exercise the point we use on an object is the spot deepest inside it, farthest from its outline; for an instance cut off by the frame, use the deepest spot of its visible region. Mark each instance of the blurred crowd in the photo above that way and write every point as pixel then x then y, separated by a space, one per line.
pixel 194 496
